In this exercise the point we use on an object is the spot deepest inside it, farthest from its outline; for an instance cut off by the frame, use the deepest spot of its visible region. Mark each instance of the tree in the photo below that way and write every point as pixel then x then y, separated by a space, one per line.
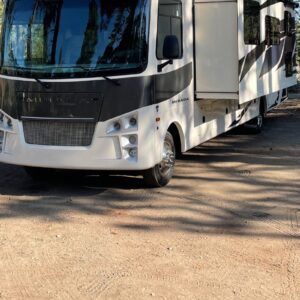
pixel 1 12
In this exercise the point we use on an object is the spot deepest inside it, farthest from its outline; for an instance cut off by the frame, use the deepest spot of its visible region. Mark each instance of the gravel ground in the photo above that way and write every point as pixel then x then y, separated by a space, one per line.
pixel 227 227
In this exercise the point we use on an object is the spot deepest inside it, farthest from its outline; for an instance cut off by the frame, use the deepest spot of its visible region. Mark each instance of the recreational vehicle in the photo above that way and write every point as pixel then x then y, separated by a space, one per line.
pixel 128 85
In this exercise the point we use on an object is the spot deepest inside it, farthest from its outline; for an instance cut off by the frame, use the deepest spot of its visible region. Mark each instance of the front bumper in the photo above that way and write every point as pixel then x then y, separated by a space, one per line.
pixel 107 151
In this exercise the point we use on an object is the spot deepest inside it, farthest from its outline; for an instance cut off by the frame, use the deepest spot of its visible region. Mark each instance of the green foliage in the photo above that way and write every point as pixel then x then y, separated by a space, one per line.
pixel 1 8
pixel 1 11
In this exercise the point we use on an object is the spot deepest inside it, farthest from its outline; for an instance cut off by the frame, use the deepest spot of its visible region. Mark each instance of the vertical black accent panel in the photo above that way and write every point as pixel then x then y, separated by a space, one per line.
pixel 290 43
pixel 170 84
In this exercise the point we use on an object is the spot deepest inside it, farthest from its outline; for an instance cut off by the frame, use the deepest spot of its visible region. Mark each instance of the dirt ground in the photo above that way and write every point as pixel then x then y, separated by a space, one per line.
pixel 227 227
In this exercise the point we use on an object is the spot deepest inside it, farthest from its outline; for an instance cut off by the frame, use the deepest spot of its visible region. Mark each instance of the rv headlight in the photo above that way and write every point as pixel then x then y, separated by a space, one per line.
pixel 133 152
pixel 133 122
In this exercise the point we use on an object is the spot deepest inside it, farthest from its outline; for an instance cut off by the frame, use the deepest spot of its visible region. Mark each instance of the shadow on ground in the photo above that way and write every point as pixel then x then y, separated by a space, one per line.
pixel 231 185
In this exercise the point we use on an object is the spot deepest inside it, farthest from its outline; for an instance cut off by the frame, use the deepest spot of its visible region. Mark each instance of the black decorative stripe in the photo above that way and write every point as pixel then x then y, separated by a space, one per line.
pixel 251 59
pixel 276 102
pixel 272 57
pixel 273 53
pixel 241 64
pixel 170 84
pixel 289 46
pixel 240 117
pixel 100 100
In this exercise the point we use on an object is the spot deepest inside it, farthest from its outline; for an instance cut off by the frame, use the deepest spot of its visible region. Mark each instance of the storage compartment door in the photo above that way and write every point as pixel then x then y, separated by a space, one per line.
pixel 216 50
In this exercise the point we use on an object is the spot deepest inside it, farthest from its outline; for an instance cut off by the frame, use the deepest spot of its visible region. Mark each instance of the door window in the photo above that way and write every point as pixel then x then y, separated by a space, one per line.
pixel 169 23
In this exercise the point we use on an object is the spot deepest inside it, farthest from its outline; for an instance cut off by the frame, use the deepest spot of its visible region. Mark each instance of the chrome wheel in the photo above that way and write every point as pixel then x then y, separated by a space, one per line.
pixel 161 174
pixel 259 121
pixel 168 162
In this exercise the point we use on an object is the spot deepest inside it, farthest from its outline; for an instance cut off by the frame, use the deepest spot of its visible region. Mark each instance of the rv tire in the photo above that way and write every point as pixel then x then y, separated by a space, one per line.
pixel 256 125
pixel 161 174
pixel 259 124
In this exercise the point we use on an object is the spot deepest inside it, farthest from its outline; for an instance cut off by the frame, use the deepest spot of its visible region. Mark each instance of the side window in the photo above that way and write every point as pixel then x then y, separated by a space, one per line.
pixel 251 22
pixel 169 23
pixel 289 24
pixel 272 31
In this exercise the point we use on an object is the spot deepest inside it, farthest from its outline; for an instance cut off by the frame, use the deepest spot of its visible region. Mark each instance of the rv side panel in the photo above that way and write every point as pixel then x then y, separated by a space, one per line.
pixel 267 48
pixel 216 50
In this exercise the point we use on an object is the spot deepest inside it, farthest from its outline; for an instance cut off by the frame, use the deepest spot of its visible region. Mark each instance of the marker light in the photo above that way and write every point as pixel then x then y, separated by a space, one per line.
pixel 117 126
pixel 133 122
pixel 9 122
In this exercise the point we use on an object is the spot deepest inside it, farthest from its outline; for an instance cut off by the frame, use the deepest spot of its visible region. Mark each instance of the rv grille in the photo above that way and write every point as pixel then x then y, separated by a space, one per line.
pixel 56 133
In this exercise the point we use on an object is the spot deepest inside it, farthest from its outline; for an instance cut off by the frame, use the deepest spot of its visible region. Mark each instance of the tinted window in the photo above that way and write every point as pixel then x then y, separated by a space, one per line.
pixel 251 22
pixel 272 31
pixel 169 23
pixel 289 24
pixel 74 37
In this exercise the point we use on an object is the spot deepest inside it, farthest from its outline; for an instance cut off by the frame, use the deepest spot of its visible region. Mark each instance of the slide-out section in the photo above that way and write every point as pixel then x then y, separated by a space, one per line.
pixel 216 49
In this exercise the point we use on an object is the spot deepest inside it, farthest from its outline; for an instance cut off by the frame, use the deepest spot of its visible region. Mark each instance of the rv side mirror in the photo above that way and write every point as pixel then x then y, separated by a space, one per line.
pixel 171 47
pixel 170 51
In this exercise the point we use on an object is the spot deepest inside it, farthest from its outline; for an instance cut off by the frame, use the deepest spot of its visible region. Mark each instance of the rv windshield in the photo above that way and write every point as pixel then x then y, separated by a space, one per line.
pixel 74 38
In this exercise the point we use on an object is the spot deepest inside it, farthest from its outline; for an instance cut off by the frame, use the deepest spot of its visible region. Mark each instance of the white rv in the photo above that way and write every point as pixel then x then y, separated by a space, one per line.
pixel 125 85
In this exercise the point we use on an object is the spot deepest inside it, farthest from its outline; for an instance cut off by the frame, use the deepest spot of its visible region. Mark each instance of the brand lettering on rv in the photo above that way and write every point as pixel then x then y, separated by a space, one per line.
pixel 55 100
pixel 180 100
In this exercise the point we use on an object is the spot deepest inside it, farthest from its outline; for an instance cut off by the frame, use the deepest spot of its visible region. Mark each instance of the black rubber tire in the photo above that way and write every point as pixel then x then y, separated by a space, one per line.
pixel 256 125
pixel 154 177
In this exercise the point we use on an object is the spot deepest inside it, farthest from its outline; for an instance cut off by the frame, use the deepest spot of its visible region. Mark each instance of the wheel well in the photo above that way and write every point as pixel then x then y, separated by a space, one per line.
pixel 177 140
pixel 263 105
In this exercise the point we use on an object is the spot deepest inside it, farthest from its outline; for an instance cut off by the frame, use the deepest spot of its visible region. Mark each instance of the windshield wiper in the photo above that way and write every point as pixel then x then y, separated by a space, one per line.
pixel 43 84
pixel 114 81
pixel 47 86
pixel 88 71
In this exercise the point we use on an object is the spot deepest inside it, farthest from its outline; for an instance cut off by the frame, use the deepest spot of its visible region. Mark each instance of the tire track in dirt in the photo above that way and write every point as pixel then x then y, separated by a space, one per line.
pixel 290 254
pixel 105 280
pixel 281 227
pixel 12 268
pixel 291 271
pixel 294 218
pixel 101 283
pixel 98 285
pixel 293 248
pixel 53 274
pixel 288 264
